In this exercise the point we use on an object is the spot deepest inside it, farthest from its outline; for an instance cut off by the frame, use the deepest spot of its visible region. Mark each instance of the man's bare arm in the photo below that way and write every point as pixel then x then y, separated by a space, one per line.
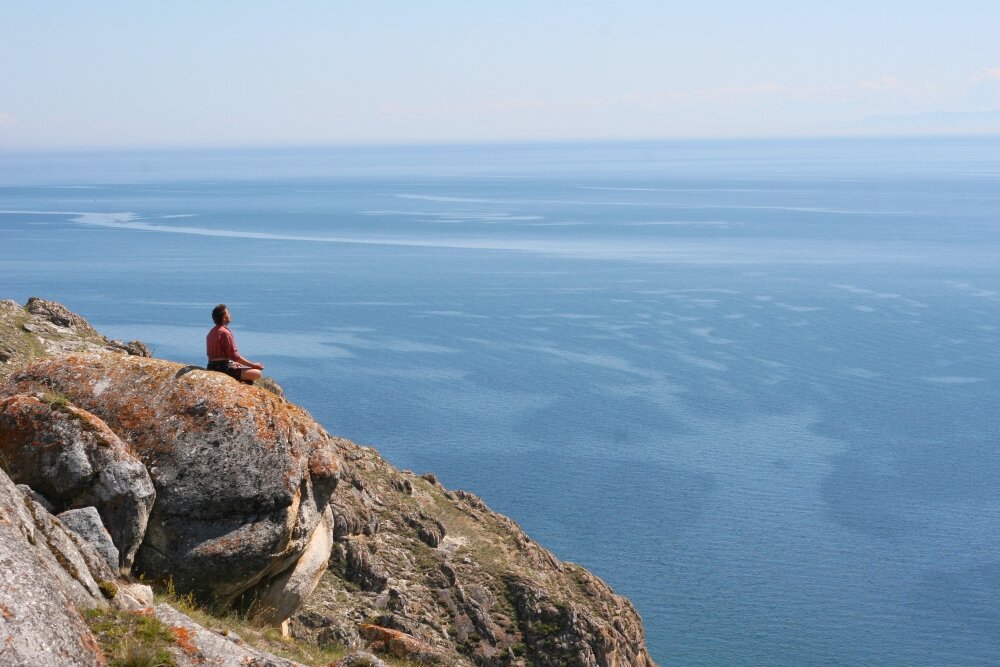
pixel 246 362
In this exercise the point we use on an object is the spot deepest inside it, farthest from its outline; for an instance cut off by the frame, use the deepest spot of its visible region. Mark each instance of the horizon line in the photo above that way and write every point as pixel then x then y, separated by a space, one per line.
pixel 334 145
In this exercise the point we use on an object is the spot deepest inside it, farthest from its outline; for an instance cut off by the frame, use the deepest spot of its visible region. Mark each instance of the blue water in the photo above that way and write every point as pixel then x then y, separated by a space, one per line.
pixel 753 385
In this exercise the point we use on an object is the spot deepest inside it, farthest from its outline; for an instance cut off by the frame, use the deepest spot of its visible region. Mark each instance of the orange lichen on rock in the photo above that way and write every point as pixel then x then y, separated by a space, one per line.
pixel 227 461
pixel 185 640
pixel 323 463
pixel 93 647
pixel 73 460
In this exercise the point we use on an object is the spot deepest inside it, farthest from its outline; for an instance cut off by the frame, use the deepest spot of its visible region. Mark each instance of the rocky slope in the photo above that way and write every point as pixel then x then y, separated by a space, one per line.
pixel 51 578
pixel 257 505
pixel 442 567
pixel 41 328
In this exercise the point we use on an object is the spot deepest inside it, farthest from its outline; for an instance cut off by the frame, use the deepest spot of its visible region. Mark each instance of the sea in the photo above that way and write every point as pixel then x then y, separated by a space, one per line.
pixel 752 384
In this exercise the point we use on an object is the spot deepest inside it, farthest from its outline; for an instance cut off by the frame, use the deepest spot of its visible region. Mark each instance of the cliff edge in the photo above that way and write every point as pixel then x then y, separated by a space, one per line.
pixel 237 496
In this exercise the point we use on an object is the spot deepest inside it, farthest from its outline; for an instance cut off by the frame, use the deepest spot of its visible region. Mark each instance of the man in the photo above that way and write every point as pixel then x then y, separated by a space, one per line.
pixel 222 353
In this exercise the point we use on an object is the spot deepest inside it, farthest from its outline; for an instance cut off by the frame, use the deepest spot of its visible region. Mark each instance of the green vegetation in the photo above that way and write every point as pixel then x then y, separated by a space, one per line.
pixel 131 639
pixel 262 637
pixel 56 400
pixel 137 639
pixel 108 589
pixel 544 629
pixel 17 345
pixel 425 558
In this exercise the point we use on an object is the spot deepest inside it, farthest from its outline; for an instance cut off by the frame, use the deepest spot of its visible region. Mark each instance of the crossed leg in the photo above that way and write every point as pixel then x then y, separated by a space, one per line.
pixel 250 374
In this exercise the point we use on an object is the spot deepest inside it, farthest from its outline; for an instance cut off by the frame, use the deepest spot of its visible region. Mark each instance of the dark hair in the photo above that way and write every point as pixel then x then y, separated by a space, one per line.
pixel 218 312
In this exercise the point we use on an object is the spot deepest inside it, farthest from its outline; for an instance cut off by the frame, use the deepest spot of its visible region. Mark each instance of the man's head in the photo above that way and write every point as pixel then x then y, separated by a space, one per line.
pixel 219 314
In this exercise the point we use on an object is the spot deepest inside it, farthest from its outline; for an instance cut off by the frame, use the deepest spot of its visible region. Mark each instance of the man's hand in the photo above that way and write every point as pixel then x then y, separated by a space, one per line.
pixel 248 363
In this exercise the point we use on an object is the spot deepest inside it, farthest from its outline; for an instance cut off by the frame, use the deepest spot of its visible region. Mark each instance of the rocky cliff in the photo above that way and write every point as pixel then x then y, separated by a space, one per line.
pixel 235 495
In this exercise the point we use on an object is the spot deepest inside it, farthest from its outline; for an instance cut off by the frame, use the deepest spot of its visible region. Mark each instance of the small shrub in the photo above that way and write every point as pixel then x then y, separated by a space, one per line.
pixel 263 637
pixel 131 640
pixel 56 400
pixel 543 629
pixel 108 589
pixel 137 655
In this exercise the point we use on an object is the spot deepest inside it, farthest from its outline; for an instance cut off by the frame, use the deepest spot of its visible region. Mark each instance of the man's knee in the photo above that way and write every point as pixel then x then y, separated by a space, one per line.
pixel 251 374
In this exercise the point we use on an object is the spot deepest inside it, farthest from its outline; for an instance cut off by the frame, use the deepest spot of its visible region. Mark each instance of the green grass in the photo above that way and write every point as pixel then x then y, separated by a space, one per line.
pixel 56 400
pixel 130 639
pixel 262 637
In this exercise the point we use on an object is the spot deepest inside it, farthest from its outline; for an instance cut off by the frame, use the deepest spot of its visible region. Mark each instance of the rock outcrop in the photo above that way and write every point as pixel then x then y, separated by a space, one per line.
pixel 196 646
pixel 278 597
pixel 242 477
pixel 86 523
pixel 248 511
pixel 413 559
pixel 44 580
pixel 74 460
pixel 49 578
pixel 41 328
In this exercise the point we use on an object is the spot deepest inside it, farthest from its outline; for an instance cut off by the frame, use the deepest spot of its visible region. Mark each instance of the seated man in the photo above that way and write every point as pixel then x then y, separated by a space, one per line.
pixel 222 353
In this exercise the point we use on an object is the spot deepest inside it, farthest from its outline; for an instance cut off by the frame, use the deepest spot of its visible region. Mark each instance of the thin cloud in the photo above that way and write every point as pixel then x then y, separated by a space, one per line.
pixel 987 74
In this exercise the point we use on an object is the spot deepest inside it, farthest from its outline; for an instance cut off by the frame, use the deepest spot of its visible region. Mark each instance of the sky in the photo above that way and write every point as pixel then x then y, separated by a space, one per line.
pixel 206 74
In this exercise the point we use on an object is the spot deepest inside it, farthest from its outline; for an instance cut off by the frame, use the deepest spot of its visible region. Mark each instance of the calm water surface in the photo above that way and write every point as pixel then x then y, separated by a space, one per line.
pixel 753 385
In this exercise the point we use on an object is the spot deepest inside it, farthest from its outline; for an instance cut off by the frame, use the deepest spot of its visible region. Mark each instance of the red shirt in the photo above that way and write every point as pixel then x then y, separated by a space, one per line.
pixel 220 343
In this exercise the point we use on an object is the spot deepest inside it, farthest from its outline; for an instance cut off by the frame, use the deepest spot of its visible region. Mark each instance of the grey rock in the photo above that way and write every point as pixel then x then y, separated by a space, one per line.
pixel 201 646
pixel 486 594
pixel 134 347
pixel 43 580
pixel 339 633
pixel 363 567
pixel 278 597
pixel 47 327
pixel 86 523
pixel 429 530
pixel 140 595
pixel 74 460
pixel 359 659
pixel 242 477
pixel 31 494
pixel 74 562
pixel 58 314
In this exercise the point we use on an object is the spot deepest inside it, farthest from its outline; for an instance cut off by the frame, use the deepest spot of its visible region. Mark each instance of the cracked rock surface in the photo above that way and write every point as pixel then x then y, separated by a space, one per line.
pixel 242 477
pixel 74 460
pixel 44 580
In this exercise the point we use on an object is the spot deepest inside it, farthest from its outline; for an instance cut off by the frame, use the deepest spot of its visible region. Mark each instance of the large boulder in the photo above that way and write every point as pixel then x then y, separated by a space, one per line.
pixel 44 579
pixel 242 477
pixel 278 597
pixel 74 460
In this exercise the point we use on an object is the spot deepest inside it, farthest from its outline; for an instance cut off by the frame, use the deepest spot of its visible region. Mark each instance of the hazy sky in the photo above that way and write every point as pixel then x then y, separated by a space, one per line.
pixel 116 74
